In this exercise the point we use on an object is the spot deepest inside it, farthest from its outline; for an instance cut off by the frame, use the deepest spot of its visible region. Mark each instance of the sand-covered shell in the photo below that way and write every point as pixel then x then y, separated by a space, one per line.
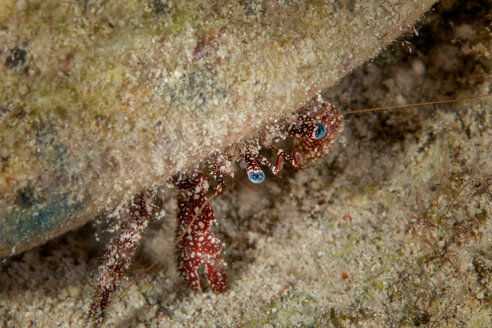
pixel 99 100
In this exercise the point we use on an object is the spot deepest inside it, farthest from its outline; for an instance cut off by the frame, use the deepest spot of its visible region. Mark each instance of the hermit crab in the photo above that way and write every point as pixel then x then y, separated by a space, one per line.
pixel 309 133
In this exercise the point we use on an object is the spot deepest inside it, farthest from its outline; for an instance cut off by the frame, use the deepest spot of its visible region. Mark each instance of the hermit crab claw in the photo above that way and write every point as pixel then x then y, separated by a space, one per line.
pixel 196 245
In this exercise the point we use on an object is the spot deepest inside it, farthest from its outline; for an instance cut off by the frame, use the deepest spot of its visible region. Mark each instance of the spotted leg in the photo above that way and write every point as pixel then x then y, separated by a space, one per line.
pixel 197 245
pixel 119 255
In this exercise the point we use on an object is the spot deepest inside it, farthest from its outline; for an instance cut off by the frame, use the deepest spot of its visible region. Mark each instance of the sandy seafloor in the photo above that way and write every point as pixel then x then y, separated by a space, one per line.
pixel 392 229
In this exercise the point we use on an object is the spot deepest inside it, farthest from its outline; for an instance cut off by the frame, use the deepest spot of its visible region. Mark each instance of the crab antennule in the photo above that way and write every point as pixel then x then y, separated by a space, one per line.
pixel 266 162
pixel 294 161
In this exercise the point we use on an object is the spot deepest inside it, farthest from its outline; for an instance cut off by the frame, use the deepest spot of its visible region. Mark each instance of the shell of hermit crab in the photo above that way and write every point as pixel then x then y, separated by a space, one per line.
pixel 101 100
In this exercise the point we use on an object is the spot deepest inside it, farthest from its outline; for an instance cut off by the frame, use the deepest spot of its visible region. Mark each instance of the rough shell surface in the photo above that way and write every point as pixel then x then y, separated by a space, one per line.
pixel 99 100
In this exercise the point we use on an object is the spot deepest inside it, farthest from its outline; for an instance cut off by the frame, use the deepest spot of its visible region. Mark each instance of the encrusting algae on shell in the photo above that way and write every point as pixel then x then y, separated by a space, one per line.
pixel 100 100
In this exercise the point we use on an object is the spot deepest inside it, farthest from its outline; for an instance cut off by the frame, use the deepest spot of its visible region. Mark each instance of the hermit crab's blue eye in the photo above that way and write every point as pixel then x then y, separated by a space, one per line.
pixel 320 131
pixel 256 177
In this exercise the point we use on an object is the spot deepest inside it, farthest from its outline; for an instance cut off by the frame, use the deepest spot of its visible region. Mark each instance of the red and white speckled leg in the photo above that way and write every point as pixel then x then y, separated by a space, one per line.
pixel 197 245
pixel 119 255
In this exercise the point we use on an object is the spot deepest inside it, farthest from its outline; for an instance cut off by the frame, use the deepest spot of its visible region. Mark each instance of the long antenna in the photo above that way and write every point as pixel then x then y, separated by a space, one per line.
pixel 437 102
